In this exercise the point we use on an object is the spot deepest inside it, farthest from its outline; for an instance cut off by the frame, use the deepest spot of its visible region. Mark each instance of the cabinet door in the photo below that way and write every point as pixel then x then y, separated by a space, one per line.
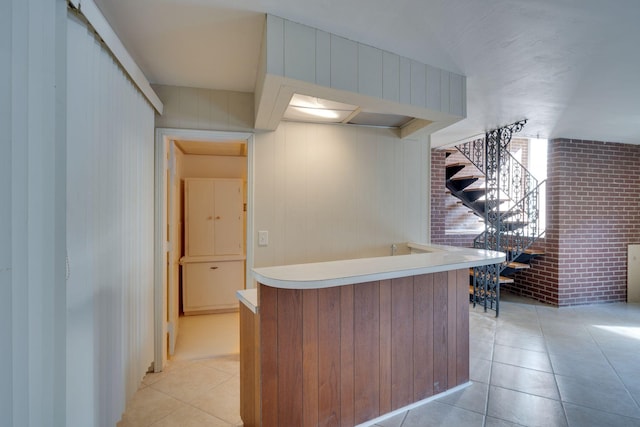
pixel 228 217
pixel 199 218
pixel 212 285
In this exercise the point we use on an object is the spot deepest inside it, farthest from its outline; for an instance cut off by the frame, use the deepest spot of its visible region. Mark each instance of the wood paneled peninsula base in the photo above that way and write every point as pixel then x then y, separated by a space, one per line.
pixel 348 342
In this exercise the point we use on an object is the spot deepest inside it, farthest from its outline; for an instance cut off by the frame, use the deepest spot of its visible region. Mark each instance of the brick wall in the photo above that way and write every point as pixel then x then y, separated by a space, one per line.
pixel 438 197
pixel 593 214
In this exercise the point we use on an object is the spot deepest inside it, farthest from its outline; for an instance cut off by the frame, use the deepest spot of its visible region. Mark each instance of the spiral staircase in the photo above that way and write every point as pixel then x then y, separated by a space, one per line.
pixel 494 186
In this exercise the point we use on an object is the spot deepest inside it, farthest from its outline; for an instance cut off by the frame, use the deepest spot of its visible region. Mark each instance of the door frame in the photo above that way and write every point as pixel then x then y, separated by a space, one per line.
pixel 163 137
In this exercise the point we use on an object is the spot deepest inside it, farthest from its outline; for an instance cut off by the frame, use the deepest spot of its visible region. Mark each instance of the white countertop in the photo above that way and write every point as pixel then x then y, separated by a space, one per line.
pixel 431 259
pixel 249 297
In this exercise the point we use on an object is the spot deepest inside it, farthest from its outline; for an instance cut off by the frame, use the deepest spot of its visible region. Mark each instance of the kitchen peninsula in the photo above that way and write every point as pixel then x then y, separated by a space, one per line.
pixel 346 342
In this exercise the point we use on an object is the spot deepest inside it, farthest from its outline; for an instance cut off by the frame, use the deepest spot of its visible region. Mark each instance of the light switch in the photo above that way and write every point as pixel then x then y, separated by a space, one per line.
pixel 263 238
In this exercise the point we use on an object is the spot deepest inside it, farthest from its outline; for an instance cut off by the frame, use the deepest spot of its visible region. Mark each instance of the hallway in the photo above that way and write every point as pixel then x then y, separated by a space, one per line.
pixel 535 365
pixel 201 384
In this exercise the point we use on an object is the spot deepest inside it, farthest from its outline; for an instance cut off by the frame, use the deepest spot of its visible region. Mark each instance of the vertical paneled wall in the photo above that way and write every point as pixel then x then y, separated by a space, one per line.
pixel 6 383
pixel 109 233
pixel 32 206
pixel 306 54
pixel 194 108
pixel 328 192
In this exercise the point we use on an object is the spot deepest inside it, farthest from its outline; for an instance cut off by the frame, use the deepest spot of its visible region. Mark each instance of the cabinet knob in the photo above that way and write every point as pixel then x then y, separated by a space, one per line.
pixel 213 268
pixel 217 217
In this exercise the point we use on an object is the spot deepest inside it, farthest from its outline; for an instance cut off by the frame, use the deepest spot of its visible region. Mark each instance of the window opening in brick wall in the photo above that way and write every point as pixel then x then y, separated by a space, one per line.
pixel 537 165
pixel 460 225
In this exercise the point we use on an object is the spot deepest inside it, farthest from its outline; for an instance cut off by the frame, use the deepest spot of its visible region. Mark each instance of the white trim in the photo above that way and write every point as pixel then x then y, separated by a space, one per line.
pixel 414 405
pixel 100 24
pixel 163 136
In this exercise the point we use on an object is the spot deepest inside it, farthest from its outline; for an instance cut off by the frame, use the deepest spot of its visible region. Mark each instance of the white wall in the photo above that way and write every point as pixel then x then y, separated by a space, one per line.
pixel 110 234
pixel 32 221
pixel 203 166
pixel 327 192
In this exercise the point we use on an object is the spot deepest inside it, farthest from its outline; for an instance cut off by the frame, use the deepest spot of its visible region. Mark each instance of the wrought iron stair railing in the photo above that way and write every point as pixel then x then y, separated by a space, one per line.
pixel 511 208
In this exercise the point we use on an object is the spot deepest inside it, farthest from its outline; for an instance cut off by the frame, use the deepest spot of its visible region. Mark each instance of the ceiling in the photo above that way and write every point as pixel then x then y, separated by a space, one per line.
pixel 226 148
pixel 571 67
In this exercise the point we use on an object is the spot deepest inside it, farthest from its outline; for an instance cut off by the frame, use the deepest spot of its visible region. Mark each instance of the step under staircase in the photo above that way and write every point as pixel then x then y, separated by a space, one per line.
pixel 504 195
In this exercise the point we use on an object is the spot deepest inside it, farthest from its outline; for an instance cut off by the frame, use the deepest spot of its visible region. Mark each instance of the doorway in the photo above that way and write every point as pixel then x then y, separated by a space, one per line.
pixel 184 154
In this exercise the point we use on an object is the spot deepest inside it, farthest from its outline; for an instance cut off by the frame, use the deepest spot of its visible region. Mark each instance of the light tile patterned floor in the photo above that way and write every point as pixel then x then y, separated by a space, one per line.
pixel 533 366
pixel 201 384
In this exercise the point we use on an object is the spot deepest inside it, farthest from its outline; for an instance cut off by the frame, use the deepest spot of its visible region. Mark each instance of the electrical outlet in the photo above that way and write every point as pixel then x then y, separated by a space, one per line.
pixel 263 238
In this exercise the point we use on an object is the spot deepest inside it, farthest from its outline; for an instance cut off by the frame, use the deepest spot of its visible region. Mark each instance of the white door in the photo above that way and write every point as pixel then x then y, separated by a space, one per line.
pixel 174 250
pixel 199 222
pixel 229 217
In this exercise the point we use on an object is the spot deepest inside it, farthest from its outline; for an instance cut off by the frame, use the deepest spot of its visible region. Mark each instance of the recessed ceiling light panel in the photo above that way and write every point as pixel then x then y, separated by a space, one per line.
pixel 311 109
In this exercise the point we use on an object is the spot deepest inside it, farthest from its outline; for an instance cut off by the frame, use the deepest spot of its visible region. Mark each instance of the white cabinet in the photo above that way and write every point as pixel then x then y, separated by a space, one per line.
pixel 213 265
pixel 213 217
pixel 211 286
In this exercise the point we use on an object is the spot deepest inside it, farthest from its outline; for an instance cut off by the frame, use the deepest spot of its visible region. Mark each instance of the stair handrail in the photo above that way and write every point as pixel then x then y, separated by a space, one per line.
pixel 527 211
pixel 476 152
pixel 504 174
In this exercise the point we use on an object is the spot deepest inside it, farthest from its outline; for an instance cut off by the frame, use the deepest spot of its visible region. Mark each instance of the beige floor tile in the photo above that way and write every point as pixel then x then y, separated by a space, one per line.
pixel 170 367
pixel 148 406
pixel 207 336
pixel 190 382
pixel 223 401
pixel 190 417
pixel 229 364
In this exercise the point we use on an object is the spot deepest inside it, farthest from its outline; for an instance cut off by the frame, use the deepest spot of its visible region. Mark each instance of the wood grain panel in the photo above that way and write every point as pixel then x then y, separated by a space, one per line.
pixel 366 343
pixel 440 293
pixel 347 414
pixel 452 312
pixel 268 303
pixel 423 336
pixel 328 357
pixel 401 342
pixel 462 324
pixel 289 357
pixel 310 357
pixel 385 346
pixel 341 356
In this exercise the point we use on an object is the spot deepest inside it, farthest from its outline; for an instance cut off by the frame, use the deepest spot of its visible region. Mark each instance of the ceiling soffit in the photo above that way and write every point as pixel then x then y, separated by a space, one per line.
pixel 296 58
